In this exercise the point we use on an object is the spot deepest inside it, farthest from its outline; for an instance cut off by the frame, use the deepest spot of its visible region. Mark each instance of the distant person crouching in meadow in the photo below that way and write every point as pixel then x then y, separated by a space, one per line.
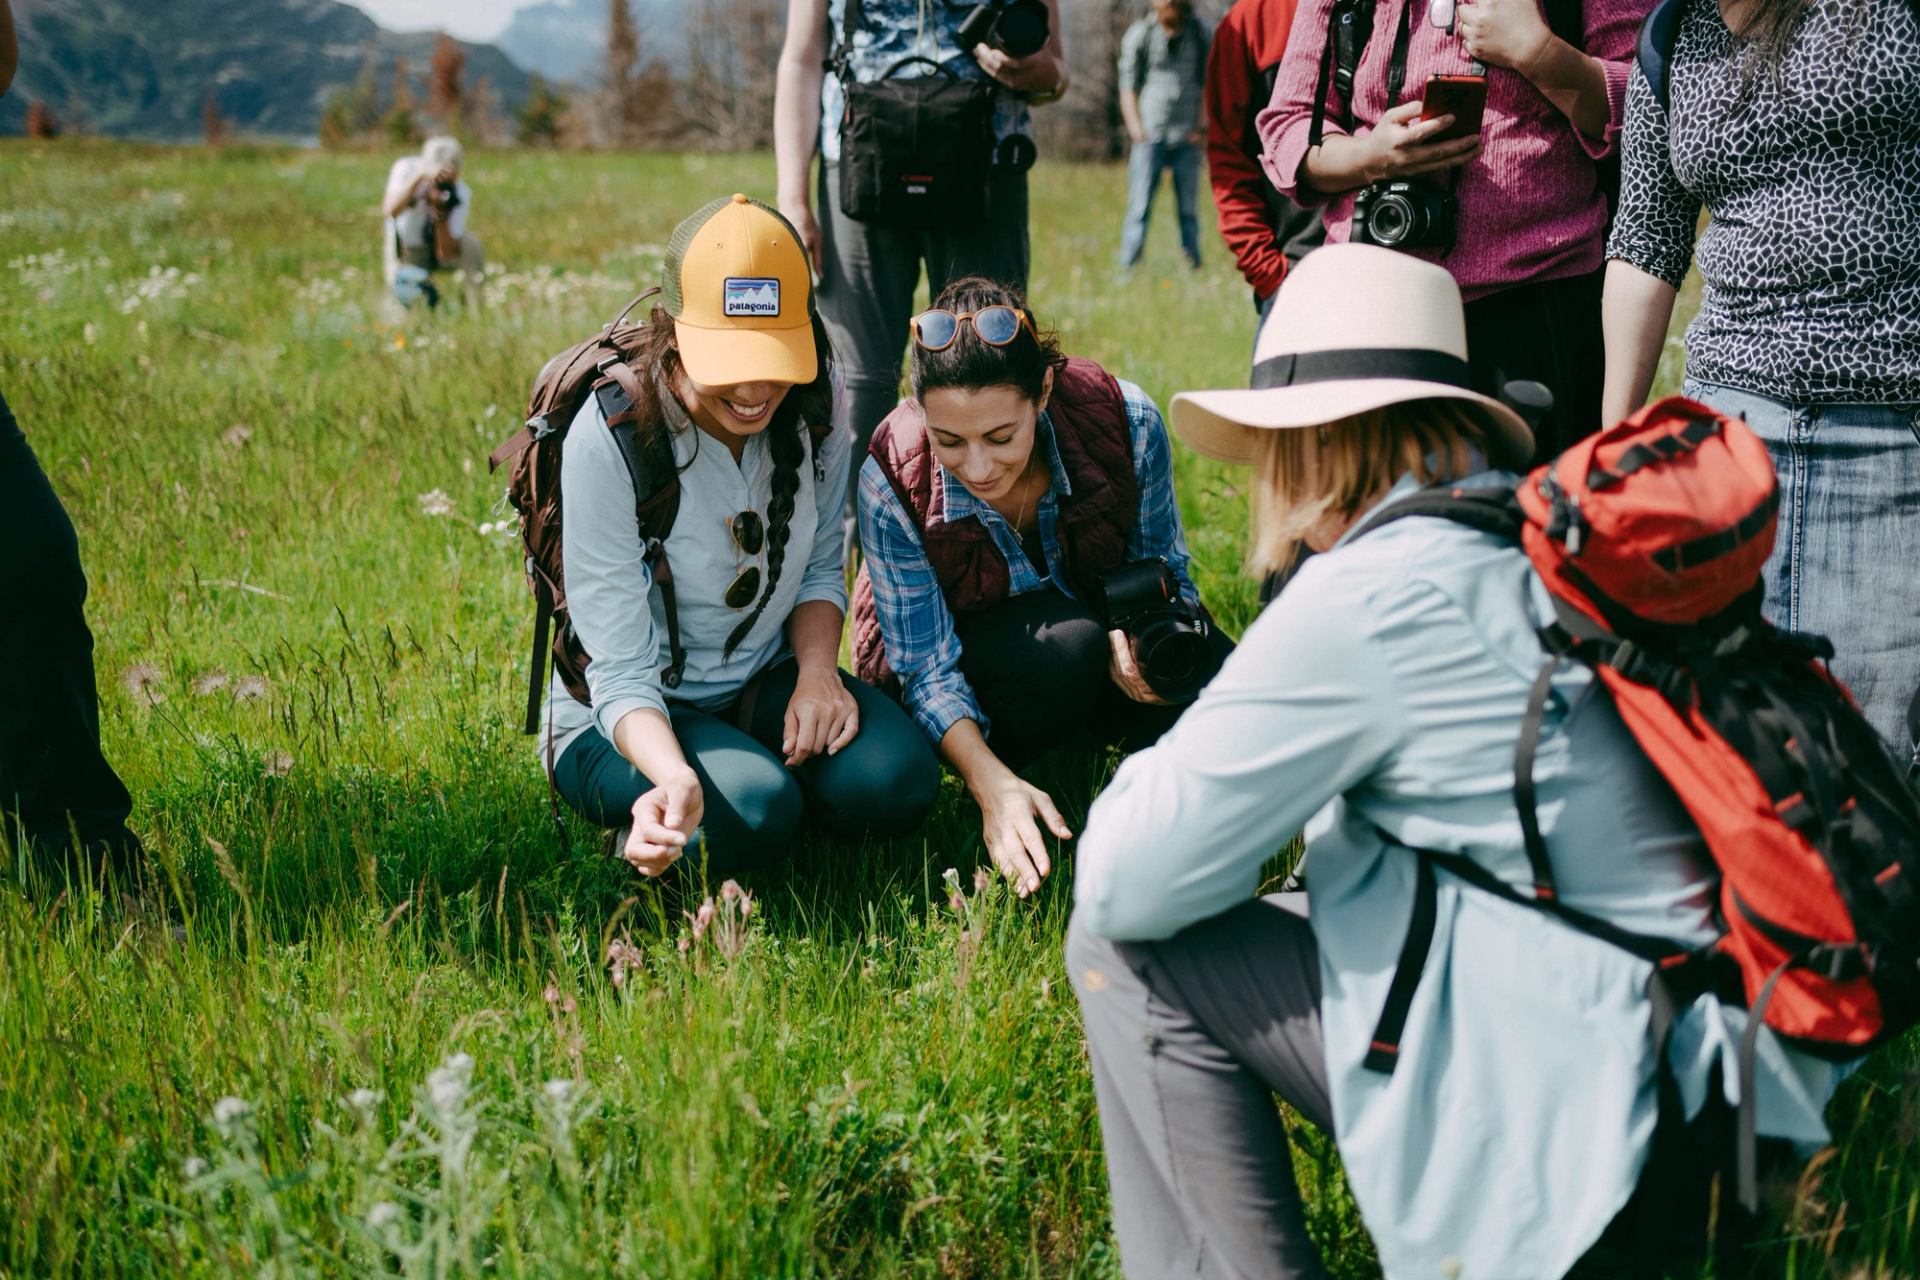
pixel 1025 578
pixel 711 702
pixel 427 206
pixel 1504 1123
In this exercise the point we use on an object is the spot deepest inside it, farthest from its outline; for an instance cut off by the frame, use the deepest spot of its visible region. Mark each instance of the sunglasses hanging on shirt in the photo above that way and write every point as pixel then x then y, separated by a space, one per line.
pixel 749 533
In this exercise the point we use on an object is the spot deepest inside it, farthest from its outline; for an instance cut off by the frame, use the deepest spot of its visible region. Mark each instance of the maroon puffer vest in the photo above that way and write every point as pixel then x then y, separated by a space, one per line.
pixel 1095 440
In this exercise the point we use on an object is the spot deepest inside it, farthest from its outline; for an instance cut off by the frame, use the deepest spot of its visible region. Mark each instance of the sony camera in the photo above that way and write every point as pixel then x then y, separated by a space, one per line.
pixel 1404 215
pixel 1172 641
pixel 1017 28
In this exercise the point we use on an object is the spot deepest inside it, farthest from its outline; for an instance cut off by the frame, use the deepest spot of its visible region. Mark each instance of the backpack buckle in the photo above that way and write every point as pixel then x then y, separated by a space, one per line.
pixel 540 426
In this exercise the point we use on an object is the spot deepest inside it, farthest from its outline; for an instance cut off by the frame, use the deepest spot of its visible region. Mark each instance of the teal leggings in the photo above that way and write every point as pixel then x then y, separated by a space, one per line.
pixel 882 783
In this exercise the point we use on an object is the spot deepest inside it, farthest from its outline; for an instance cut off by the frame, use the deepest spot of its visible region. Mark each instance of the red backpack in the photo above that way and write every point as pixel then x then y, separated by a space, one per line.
pixel 1651 537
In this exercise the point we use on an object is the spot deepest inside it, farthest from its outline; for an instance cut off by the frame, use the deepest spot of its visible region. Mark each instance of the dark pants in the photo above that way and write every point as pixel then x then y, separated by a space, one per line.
pixel 1548 332
pixel 868 274
pixel 1039 666
pixel 54 782
pixel 882 783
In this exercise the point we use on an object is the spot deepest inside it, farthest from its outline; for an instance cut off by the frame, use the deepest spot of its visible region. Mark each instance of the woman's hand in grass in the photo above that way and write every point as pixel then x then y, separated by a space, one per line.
pixel 822 716
pixel 664 819
pixel 1125 670
pixel 1009 809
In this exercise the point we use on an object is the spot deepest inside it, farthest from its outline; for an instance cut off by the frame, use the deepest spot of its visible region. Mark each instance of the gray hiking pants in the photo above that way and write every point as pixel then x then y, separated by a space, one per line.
pixel 1191 1038
pixel 868 275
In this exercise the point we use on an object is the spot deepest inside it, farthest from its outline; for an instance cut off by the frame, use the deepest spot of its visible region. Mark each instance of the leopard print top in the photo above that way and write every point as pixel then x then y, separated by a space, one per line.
pixel 1811 256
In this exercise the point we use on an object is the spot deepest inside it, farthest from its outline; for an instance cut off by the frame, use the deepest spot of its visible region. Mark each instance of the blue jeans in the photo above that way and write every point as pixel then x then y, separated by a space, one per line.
pixel 1847 561
pixel 1144 167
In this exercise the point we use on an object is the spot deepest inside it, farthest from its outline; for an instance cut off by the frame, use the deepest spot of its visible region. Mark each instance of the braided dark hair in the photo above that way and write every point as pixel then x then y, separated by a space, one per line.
pixel 805 412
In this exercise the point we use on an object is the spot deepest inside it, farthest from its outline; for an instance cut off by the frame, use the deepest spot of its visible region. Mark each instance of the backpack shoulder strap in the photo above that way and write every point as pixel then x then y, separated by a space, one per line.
pixel 1654 49
pixel 655 475
pixel 1495 512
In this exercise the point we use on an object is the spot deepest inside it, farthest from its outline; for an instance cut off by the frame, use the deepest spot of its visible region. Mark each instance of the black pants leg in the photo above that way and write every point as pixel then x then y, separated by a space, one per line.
pixel 1039 665
pixel 1548 332
pixel 54 781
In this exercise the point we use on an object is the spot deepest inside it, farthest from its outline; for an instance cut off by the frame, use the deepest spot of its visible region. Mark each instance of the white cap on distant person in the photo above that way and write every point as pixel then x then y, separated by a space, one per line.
pixel 1354 327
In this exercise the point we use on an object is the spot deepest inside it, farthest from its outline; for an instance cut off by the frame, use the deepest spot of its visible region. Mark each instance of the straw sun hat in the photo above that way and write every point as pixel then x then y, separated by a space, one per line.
pixel 1355 327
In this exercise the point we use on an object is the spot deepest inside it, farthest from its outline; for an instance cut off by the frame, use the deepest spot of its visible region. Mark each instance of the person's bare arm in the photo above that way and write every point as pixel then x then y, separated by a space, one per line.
pixel 796 117
pixel 9 46
pixel 1011 810
pixel 1635 311
pixel 1042 75
pixel 1397 147
pixel 403 187
pixel 664 818
pixel 1514 34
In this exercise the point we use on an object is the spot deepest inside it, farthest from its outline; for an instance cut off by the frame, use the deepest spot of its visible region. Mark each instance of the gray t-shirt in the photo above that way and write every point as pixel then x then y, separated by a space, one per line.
pixel 894 29
pixel 1169 73
pixel 1811 257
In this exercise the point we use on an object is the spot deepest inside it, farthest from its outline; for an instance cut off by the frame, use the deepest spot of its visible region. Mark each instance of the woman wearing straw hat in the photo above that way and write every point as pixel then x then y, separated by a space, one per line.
pixel 1376 704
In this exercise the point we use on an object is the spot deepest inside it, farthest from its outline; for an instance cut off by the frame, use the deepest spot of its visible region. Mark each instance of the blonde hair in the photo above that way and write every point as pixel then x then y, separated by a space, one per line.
pixel 1303 478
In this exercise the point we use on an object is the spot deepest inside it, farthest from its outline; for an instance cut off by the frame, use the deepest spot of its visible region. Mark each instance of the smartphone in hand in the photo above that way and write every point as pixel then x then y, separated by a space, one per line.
pixel 1462 97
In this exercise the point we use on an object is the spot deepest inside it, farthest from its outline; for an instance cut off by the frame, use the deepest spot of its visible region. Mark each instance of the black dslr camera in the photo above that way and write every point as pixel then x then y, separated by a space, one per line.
pixel 1396 214
pixel 1172 641
pixel 1017 28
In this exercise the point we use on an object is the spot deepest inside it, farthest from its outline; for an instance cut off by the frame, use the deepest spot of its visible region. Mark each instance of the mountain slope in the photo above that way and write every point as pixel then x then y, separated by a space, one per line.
pixel 565 40
pixel 142 70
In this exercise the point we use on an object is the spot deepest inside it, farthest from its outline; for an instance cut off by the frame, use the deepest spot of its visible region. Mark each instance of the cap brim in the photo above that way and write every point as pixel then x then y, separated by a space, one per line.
pixel 723 357
pixel 1226 424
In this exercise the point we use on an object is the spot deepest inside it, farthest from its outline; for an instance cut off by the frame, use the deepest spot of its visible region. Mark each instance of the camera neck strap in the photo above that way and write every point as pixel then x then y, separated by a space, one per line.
pixel 1359 364
pixel 1349 28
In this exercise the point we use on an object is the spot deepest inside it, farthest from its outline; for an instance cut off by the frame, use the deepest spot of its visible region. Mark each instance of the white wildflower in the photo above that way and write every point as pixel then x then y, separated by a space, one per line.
pixel 559 1092
pixel 435 502
pixel 193 1167
pixel 230 1112
pixel 447 1083
pixel 382 1215
pixel 364 1099
pixel 249 688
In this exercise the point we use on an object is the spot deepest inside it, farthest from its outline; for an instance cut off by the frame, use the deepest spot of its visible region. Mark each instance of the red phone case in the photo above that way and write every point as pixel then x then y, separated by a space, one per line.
pixel 1462 97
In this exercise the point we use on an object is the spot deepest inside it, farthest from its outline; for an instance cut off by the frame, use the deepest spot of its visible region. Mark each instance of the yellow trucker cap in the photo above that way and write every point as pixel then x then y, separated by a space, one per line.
pixel 741 296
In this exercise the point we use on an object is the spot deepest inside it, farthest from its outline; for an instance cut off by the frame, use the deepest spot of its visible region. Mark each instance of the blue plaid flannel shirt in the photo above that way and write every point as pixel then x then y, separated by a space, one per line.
pixel 922 646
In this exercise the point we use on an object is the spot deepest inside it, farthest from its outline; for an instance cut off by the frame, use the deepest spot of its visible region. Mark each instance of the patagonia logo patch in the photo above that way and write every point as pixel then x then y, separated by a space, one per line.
pixel 752 296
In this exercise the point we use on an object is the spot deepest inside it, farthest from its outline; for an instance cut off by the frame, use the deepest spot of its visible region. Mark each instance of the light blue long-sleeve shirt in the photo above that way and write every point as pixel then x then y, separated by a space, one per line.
pixel 621 619
pixel 1384 690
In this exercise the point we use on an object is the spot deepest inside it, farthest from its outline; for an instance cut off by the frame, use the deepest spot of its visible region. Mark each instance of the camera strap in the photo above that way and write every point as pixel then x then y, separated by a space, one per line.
pixel 1349 28
pixel 840 62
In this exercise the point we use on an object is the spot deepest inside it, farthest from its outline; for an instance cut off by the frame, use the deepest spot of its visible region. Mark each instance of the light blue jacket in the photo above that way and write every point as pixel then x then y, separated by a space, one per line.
pixel 1386 687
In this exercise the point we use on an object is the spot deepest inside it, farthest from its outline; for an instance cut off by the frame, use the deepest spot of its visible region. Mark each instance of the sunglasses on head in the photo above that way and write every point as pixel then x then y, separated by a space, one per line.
pixel 937 328
pixel 750 535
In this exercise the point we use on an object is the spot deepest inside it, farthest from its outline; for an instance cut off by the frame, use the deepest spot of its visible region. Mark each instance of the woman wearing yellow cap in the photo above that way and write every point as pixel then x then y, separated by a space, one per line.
pixel 742 723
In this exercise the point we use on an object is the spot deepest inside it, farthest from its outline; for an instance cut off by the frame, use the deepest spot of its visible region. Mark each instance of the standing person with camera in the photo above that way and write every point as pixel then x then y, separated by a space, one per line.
pixel 918 113
pixel 1025 583
pixel 1163 73
pixel 427 206
pixel 1501 179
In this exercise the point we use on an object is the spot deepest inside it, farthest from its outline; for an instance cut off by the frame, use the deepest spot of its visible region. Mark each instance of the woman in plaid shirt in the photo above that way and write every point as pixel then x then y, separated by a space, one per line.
pixel 993 504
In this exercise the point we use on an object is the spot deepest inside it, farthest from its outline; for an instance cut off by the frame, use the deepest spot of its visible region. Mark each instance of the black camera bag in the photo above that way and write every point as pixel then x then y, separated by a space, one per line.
pixel 915 151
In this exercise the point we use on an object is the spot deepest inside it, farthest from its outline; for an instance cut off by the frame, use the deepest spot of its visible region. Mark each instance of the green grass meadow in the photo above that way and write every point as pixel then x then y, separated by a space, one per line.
pixel 373 1018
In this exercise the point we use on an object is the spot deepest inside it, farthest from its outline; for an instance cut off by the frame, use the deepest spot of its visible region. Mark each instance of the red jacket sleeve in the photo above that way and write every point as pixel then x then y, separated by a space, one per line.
pixel 1233 159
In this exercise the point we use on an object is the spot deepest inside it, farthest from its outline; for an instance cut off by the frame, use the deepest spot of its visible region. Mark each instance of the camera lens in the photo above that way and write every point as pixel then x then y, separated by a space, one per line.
pixel 1392 219
pixel 1175 658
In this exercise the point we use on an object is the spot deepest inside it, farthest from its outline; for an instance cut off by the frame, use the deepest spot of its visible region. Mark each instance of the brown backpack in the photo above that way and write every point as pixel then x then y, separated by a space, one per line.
pixel 600 367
